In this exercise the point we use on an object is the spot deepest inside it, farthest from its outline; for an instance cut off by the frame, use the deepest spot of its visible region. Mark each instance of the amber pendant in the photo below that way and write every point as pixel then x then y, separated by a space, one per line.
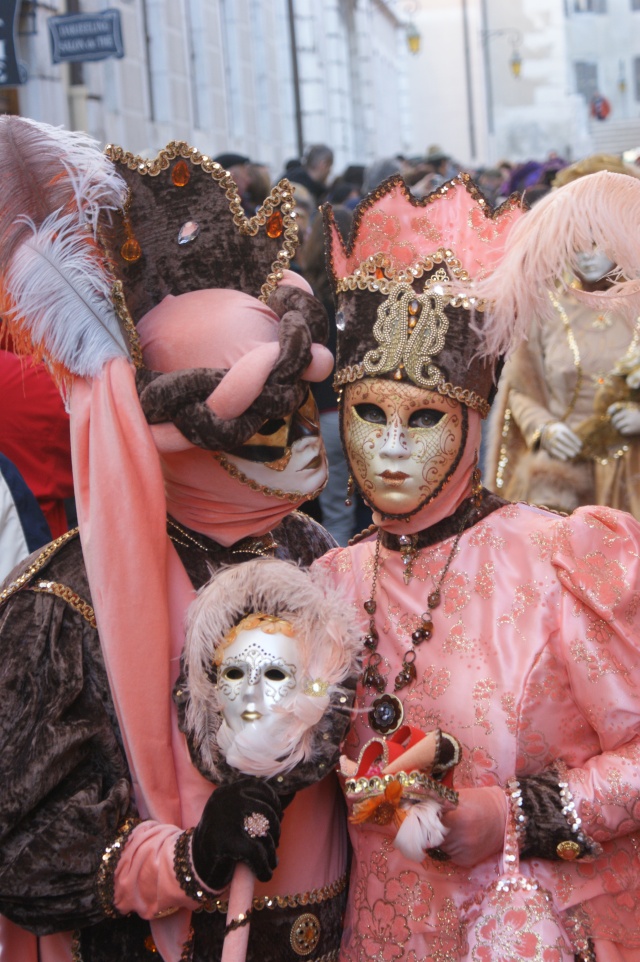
pixel 386 714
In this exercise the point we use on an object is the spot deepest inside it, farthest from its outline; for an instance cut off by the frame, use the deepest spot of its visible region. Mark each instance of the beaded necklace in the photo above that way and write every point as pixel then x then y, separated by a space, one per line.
pixel 387 711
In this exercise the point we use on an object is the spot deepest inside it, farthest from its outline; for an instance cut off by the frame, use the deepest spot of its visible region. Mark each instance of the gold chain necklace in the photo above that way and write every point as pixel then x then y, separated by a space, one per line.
pixel 262 545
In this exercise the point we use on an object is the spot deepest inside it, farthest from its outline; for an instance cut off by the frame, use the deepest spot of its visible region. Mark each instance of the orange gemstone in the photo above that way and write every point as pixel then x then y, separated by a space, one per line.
pixel 131 250
pixel 150 945
pixel 275 225
pixel 181 175
pixel 414 307
pixel 379 273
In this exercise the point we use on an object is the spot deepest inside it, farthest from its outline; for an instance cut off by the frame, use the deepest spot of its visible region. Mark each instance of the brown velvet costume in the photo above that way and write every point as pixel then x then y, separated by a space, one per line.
pixel 66 783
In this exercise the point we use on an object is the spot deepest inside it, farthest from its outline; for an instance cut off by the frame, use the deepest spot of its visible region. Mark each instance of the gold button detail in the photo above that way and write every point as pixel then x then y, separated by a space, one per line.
pixel 568 851
pixel 305 934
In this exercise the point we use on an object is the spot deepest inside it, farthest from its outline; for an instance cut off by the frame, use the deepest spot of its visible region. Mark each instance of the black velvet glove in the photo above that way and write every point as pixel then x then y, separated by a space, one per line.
pixel 220 839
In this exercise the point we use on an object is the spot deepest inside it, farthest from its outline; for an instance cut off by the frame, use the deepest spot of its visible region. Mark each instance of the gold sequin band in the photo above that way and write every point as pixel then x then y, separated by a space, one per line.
pixel 271 902
pixel 348 375
pixel 376 274
pixel 414 785
pixel 105 881
pixel 70 596
pixel 581 844
pixel 281 196
pixel 121 309
pixel 185 873
pixel 465 396
pixel 37 565
pixel 295 497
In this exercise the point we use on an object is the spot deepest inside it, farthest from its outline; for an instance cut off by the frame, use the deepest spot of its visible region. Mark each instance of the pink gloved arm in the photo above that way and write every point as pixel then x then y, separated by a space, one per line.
pixel 476 827
pixel 145 880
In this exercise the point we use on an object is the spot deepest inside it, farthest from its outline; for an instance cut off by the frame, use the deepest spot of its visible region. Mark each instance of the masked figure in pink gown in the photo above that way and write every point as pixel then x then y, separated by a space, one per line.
pixel 514 628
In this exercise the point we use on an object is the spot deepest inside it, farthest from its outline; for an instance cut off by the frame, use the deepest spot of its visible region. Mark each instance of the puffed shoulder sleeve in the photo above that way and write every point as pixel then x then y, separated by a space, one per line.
pixel 597 560
pixel 65 783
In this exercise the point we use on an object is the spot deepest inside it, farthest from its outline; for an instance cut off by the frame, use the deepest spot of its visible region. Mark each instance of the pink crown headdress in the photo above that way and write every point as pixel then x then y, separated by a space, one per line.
pixel 405 286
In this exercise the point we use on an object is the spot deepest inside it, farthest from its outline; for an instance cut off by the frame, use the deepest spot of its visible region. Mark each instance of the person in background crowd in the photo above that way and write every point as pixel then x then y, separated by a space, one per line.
pixel 34 435
pixel 251 179
pixel 337 502
pixel 378 171
pixel 313 172
pixel 23 527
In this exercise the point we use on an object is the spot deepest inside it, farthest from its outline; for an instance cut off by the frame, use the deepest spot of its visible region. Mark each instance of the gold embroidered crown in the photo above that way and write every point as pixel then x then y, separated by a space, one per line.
pixel 404 286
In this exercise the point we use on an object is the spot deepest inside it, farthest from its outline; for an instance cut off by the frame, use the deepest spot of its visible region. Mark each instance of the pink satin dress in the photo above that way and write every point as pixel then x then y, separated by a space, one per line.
pixel 534 660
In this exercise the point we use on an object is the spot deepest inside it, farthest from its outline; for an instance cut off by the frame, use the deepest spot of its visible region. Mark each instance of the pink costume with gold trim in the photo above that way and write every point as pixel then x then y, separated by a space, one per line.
pixel 514 629
pixel 534 659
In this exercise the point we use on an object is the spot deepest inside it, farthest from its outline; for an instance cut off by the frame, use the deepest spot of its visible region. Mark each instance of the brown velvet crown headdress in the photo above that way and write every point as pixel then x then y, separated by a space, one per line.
pixel 404 287
pixel 92 241
pixel 183 228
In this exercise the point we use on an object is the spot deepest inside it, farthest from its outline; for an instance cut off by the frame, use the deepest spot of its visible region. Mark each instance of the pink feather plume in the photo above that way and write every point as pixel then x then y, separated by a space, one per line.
pixel 601 209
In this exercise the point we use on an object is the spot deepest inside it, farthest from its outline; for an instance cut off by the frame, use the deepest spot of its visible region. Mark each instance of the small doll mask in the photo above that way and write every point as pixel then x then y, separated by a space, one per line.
pixel 260 669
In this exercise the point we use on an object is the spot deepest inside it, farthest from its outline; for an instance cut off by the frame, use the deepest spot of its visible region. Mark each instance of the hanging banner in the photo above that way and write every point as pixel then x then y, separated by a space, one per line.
pixel 81 37
pixel 12 71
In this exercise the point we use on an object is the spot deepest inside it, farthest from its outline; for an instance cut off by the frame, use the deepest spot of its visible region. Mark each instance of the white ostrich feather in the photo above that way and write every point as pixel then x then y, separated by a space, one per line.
pixel 60 292
pixel 421 829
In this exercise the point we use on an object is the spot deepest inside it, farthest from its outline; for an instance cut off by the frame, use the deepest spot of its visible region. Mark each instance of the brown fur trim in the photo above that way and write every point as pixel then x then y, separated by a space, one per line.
pixel 288 298
pixel 560 485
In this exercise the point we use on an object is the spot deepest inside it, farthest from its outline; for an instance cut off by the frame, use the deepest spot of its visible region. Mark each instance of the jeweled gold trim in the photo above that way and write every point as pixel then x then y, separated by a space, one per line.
pixel 347 375
pixel 293 496
pixel 414 785
pixel 271 902
pixel 281 196
pixel 121 309
pixel 503 456
pixel 465 396
pixel 37 565
pixel 71 597
pixel 185 873
pixel 305 934
pixel 410 330
pixel 105 880
pixel 376 274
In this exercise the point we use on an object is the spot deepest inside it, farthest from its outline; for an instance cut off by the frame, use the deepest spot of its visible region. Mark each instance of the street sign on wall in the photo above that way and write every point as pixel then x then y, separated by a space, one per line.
pixel 80 37
pixel 12 71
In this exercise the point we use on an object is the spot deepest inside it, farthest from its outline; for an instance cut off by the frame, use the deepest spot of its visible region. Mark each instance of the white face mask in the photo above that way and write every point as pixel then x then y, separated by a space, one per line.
pixel 258 672
pixel 298 463
pixel 592 266
pixel 402 442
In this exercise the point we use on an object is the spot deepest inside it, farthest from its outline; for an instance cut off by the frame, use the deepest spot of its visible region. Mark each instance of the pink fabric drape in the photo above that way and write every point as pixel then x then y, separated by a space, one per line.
pixel 122 539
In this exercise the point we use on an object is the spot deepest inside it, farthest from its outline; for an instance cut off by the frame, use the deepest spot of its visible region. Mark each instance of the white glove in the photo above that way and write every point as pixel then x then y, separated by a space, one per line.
pixel 633 379
pixel 626 420
pixel 559 441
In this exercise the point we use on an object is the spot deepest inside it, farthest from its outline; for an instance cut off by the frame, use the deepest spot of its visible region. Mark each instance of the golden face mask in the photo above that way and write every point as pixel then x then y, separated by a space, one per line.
pixel 272 444
pixel 402 443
